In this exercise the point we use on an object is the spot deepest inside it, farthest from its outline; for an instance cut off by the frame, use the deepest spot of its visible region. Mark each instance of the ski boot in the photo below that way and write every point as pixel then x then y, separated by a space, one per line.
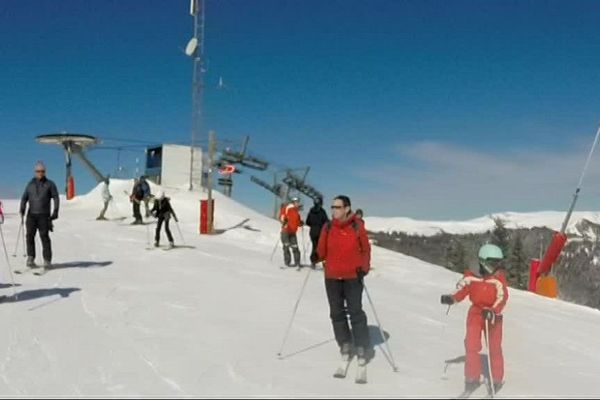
pixel 361 355
pixel 498 386
pixel 30 263
pixel 361 372
pixel 471 386
pixel 171 245
pixel 346 350
pixel 156 244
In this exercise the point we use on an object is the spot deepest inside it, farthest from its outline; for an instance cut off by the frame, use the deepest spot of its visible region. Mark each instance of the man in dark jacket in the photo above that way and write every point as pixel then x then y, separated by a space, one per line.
pixel 316 219
pixel 137 196
pixel 40 191
pixel 147 194
pixel 163 211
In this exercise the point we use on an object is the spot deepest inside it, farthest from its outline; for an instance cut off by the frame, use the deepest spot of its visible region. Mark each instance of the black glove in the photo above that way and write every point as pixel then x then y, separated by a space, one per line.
pixel 50 225
pixel 488 315
pixel 54 215
pixel 361 273
pixel 447 299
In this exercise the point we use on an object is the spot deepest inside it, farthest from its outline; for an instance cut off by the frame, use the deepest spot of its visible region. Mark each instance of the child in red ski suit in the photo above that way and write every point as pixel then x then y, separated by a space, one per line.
pixel 488 294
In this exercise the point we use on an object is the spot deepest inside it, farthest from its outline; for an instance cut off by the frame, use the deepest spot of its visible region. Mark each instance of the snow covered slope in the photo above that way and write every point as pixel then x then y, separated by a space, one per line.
pixel 118 320
pixel 549 219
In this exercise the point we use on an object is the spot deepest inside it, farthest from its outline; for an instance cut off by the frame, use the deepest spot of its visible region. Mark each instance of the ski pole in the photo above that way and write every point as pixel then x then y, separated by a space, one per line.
pixel 444 325
pixel 563 229
pixel 387 344
pixel 115 208
pixel 12 279
pixel 489 358
pixel 179 230
pixel 287 333
pixel 23 237
pixel 275 249
pixel 18 240
pixel 304 246
pixel 148 235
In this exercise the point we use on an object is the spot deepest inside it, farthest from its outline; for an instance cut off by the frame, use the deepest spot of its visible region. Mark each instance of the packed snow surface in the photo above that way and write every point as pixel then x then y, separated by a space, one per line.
pixel 115 319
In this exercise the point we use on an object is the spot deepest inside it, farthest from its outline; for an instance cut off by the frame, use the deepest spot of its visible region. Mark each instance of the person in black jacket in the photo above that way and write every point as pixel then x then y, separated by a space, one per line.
pixel 163 211
pixel 40 191
pixel 316 219
pixel 137 196
pixel 147 193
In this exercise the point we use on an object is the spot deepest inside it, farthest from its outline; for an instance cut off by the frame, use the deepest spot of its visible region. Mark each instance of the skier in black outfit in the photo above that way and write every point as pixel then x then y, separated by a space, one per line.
pixel 163 211
pixel 40 191
pixel 316 220
pixel 137 196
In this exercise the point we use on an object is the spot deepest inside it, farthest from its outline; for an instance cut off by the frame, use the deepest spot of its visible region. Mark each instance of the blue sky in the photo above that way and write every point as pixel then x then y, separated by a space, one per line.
pixel 429 109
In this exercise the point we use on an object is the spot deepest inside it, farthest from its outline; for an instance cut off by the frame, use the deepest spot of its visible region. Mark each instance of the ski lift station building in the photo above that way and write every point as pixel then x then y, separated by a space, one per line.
pixel 171 165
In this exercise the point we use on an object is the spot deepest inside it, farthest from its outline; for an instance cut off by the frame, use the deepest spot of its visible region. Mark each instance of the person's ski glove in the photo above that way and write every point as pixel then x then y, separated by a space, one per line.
pixel 361 273
pixel 54 215
pixel 50 225
pixel 447 299
pixel 488 315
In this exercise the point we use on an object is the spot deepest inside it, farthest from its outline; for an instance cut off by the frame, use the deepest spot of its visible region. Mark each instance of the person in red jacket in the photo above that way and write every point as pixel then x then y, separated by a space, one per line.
pixel 290 222
pixel 488 292
pixel 345 251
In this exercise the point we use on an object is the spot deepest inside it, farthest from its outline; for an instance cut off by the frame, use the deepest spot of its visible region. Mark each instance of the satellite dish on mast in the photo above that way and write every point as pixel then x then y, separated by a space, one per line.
pixel 191 47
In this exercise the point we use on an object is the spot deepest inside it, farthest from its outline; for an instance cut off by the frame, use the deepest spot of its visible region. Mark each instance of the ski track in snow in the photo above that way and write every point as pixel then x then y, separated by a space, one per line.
pixel 209 321
pixel 170 382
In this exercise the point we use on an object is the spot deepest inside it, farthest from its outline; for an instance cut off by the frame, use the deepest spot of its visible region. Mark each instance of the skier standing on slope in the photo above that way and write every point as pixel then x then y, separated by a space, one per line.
pixel 147 194
pixel 316 219
pixel 346 253
pixel 106 198
pixel 136 197
pixel 487 290
pixel 40 191
pixel 163 211
pixel 290 222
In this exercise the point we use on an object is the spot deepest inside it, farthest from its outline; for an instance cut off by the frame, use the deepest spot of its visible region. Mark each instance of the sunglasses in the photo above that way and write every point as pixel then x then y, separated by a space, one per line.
pixel 337 207
pixel 40 171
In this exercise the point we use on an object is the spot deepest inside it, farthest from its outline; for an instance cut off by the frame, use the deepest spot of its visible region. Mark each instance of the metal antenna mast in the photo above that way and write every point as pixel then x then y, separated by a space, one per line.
pixel 195 49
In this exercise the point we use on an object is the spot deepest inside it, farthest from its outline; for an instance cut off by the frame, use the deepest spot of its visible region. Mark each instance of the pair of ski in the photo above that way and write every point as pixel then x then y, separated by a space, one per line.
pixel 37 271
pixel 297 268
pixel 361 371
pixel 163 248
pixel 468 393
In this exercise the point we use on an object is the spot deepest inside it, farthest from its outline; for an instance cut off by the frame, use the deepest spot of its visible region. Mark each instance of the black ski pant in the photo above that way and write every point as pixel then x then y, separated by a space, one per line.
pixel 289 240
pixel 158 228
pixel 41 223
pixel 345 300
pixel 136 211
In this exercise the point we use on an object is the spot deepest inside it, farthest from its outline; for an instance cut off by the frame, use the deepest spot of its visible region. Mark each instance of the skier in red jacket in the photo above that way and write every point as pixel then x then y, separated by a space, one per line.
pixel 488 292
pixel 345 250
pixel 290 223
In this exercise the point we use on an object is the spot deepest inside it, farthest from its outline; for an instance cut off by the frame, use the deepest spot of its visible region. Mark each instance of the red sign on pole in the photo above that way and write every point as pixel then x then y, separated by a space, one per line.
pixel 227 170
